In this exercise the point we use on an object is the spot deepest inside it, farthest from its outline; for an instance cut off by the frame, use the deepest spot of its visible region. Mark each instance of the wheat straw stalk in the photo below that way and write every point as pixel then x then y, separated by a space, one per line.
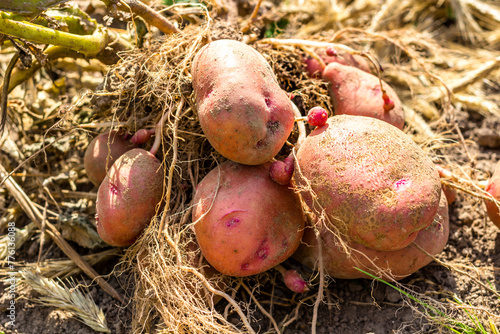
pixel 61 268
pixel 58 294
pixel 34 214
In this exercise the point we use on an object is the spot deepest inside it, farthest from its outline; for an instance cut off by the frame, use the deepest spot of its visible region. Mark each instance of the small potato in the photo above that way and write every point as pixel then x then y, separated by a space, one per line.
pixel 396 264
pixel 493 187
pixel 373 182
pixel 315 70
pixel 355 92
pixel 245 223
pixel 102 152
pixel 128 197
pixel 242 110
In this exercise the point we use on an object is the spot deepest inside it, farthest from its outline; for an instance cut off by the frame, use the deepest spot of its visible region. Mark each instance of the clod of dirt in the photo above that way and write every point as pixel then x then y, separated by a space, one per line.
pixel 489 134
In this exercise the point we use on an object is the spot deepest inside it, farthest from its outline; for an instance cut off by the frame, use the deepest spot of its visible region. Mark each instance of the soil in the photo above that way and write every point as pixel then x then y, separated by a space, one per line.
pixel 349 306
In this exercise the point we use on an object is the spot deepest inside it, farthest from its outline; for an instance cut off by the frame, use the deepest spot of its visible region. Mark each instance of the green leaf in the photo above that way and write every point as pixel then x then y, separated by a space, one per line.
pixel 275 28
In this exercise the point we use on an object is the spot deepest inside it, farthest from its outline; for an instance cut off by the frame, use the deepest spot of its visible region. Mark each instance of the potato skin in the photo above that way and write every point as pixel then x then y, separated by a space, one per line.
pixel 245 223
pixel 372 180
pixel 355 92
pixel 315 70
pixel 103 151
pixel 242 110
pixel 396 264
pixel 493 187
pixel 128 197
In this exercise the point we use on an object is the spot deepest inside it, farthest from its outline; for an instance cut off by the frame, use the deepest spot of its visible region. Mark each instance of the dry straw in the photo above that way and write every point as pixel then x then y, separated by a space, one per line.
pixel 68 298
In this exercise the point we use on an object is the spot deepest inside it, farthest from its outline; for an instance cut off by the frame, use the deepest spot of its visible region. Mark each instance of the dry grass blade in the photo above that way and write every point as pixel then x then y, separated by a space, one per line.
pixel 62 268
pixel 35 215
pixel 20 237
pixel 58 294
pixel 468 26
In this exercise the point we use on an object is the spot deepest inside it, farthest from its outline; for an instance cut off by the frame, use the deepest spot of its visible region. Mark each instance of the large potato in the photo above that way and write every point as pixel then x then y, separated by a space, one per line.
pixel 396 264
pixel 373 182
pixel 356 92
pixel 128 197
pixel 245 223
pixel 242 110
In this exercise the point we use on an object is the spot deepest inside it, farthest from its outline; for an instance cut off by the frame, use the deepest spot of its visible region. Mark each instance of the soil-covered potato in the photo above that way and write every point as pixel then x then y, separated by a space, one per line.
pixel 245 223
pixel 102 152
pixel 356 92
pixel 242 110
pixel 128 197
pixel 340 262
pixel 493 187
pixel 372 181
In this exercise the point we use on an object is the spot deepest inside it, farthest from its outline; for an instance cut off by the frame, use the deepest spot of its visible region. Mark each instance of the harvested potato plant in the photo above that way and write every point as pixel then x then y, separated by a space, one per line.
pixel 199 84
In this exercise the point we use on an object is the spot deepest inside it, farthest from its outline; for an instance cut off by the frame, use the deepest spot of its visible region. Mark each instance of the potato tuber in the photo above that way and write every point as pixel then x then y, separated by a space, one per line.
pixel 373 182
pixel 242 110
pixel 244 222
pixel 102 152
pixel 355 92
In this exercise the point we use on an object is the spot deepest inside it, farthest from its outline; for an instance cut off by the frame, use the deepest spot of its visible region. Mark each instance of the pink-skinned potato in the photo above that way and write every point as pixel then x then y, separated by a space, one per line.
pixel 243 112
pixel 315 70
pixel 128 197
pixel 493 188
pixel 355 92
pixel 339 263
pixel 372 181
pixel 244 222
pixel 102 152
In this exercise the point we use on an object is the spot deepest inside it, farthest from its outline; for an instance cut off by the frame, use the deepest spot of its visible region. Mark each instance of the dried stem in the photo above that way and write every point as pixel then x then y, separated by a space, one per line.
pixel 149 15
pixel 314 44
pixel 159 132
pixel 5 90
pixel 252 17
pixel 52 231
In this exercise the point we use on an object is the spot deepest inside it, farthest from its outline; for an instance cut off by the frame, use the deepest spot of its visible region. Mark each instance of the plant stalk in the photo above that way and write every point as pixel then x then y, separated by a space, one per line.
pixel 88 45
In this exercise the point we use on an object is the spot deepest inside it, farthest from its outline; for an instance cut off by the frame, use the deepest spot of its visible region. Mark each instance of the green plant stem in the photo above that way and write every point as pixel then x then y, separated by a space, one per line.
pixel 87 44
pixel 107 56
